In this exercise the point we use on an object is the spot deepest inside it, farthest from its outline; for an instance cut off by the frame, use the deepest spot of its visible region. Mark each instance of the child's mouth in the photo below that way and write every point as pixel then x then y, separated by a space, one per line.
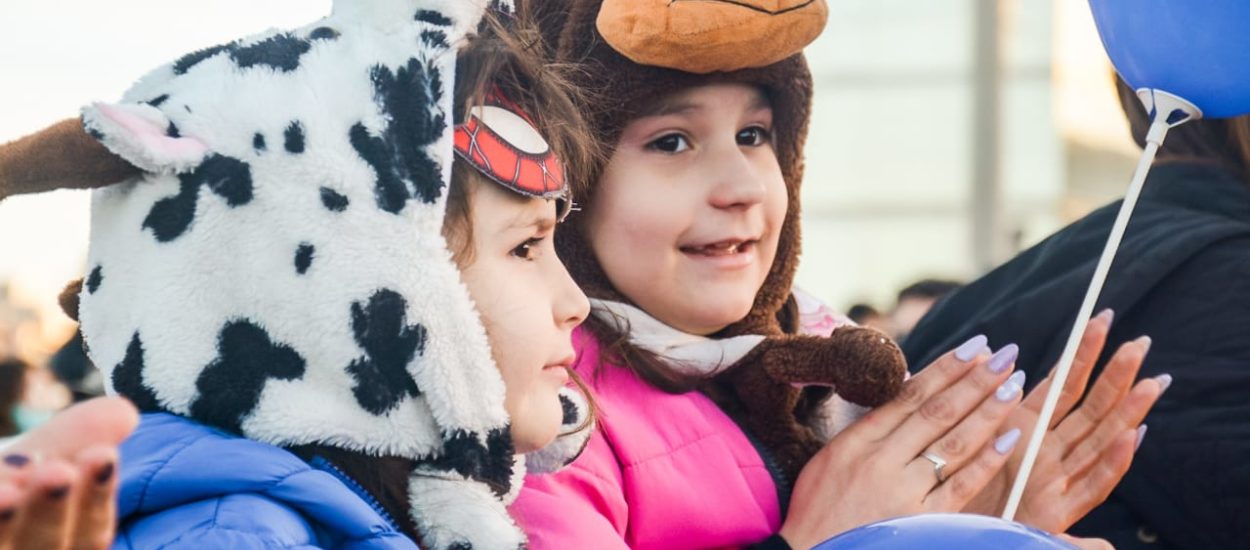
pixel 721 248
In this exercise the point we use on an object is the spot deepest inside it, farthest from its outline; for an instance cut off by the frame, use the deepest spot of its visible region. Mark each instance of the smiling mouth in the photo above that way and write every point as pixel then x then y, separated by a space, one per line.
pixel 722 248
pixel 742 4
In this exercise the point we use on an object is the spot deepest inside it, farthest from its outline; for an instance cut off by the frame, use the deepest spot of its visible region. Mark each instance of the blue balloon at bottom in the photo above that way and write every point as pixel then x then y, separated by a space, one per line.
pixel 944 532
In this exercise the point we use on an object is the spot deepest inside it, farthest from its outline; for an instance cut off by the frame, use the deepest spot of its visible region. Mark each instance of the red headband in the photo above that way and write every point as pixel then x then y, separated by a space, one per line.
pixel 500 140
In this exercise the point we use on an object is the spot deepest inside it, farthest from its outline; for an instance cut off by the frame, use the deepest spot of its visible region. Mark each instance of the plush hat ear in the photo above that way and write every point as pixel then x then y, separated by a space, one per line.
pixel 141 134
pixel 61 156
pixel 705 37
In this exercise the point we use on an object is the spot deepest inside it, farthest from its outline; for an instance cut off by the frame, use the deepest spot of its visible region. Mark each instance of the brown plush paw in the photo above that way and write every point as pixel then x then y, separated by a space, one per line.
pixel 863 365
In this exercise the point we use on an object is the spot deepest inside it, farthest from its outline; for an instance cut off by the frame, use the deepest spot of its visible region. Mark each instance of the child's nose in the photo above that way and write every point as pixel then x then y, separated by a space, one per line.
pixel 570 306
pixel 736 182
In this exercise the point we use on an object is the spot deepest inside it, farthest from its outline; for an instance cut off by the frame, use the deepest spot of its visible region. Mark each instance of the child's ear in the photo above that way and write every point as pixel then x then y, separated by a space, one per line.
pixel 142 135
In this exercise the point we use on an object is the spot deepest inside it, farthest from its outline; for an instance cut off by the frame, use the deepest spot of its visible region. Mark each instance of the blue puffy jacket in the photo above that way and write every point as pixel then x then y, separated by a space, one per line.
pixel 185 485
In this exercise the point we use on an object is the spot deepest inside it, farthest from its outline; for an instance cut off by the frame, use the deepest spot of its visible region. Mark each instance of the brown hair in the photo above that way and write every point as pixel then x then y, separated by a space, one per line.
pixel 509 55
pixel 1221 141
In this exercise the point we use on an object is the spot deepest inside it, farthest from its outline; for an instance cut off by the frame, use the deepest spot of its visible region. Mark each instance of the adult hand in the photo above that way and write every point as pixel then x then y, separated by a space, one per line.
pixel 58 483
pixel 875 470
pixel 1087 449
pixel 1087 544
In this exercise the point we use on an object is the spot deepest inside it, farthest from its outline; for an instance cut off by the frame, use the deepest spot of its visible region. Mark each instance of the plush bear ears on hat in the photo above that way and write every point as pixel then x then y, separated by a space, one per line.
pixel 705 36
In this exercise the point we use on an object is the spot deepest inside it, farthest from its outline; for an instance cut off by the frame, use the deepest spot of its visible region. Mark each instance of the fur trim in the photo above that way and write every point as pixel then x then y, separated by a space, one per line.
pixel 452 514
pixel 575 429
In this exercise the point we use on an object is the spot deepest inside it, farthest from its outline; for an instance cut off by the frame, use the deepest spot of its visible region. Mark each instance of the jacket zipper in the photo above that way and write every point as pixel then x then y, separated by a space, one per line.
pixel 326 466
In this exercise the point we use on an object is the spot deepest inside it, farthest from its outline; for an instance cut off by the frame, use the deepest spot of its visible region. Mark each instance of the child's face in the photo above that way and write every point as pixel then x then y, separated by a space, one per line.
pixel 528 303
pixel 690 206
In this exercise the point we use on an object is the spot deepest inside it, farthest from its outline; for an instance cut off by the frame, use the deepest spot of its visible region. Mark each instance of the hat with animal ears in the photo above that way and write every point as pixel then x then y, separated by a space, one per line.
pixel 266 253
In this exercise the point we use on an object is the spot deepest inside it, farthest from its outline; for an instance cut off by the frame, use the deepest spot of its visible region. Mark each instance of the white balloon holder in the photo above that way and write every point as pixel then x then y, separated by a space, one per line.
pixel 1166 111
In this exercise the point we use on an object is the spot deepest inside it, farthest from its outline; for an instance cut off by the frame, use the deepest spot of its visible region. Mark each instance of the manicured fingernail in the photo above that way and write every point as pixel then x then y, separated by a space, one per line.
pixel 972 348
pixel 1165 381
pixel 1011 387
pixel 58 493
pixel 1006 442
pixel 16 460
pixel 1004 358
pixel 1147 341
pixel 1141 434
pixel 1107 315
pixel 105 474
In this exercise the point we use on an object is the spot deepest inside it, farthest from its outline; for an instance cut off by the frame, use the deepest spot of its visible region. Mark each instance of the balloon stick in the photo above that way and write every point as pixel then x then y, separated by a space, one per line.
pixel 1166 111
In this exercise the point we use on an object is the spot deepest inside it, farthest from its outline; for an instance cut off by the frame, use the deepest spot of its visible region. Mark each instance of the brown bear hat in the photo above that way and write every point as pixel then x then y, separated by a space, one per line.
pixel 628 53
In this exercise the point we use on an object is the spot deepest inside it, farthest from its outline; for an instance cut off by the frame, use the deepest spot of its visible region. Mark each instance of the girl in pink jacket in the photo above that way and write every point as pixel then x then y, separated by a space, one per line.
pixel 687 245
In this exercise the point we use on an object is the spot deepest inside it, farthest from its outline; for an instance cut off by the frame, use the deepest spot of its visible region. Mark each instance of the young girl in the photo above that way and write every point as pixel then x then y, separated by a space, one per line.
pixel 332 347
pixel 688 243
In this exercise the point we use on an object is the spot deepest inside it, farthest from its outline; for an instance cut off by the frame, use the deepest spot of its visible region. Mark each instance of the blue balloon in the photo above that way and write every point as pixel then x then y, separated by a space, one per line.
pixel 1196 49
pixel 944 532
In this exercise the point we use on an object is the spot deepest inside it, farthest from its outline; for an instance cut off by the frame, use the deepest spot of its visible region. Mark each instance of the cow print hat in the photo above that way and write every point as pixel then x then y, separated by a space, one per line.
pixel 266 253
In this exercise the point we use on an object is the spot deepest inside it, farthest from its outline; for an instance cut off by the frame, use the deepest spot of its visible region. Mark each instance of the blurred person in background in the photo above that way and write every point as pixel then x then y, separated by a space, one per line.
pixel 71 367
pixel 914 301
pixel 1182 276
pixel 868 316
pixel 12 389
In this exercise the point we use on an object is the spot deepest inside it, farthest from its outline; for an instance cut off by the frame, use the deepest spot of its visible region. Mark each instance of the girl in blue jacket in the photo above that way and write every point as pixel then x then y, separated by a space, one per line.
pixel 337 339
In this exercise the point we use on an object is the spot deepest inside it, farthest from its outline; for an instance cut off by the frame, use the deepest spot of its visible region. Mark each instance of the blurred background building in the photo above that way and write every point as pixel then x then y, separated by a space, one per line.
pixel 946 135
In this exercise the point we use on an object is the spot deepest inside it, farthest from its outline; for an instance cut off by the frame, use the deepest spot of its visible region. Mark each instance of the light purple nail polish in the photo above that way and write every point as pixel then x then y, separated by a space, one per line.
pixel 1004 358
pixel 1006 442
pixel 1141 434
pixel 1107 314
pixel 1011 387
pixel 1165 382
pixel 972 348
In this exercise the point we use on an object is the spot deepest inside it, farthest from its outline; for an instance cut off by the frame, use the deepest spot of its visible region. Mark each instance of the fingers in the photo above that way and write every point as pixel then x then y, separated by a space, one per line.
pixel 100 421
pixel 96 505
pixel 959 445
pixel 1108 392
pixel 1104 473
pixel 44 520
pixel 1087 354
pixel 11 498
pixel 964 484
pixel 936 377
pixel 942 411
pixel 1127 416
pixel 1086 544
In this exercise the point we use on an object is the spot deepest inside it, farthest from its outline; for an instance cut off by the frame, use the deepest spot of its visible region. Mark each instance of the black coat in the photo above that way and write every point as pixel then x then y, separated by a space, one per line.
pixel 1182 276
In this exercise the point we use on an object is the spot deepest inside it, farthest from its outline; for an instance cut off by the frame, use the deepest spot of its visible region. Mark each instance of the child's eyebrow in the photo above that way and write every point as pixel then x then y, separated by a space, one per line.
pixel 671 107
pixel 759 102
pixel 541 222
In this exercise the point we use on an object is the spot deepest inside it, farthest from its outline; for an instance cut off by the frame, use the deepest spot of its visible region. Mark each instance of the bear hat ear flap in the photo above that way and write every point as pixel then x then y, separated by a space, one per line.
pixel 61 156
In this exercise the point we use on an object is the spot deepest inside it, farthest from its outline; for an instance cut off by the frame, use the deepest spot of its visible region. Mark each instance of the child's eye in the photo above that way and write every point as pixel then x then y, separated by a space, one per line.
pixel 753 136
pixel 671 143
pixel 528 250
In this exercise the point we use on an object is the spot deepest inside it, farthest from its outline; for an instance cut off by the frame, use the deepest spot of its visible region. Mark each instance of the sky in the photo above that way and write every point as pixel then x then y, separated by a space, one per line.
pixel 55 57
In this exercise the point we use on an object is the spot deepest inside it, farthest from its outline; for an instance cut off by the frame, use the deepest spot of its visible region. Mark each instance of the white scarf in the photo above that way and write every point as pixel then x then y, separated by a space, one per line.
pixel 688 354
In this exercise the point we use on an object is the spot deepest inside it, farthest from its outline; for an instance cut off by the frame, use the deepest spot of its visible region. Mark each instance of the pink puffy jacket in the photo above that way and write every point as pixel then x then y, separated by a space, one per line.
pixel 662 471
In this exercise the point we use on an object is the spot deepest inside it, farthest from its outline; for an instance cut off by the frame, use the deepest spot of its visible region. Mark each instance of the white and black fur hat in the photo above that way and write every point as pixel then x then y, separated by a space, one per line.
pixel 278 269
